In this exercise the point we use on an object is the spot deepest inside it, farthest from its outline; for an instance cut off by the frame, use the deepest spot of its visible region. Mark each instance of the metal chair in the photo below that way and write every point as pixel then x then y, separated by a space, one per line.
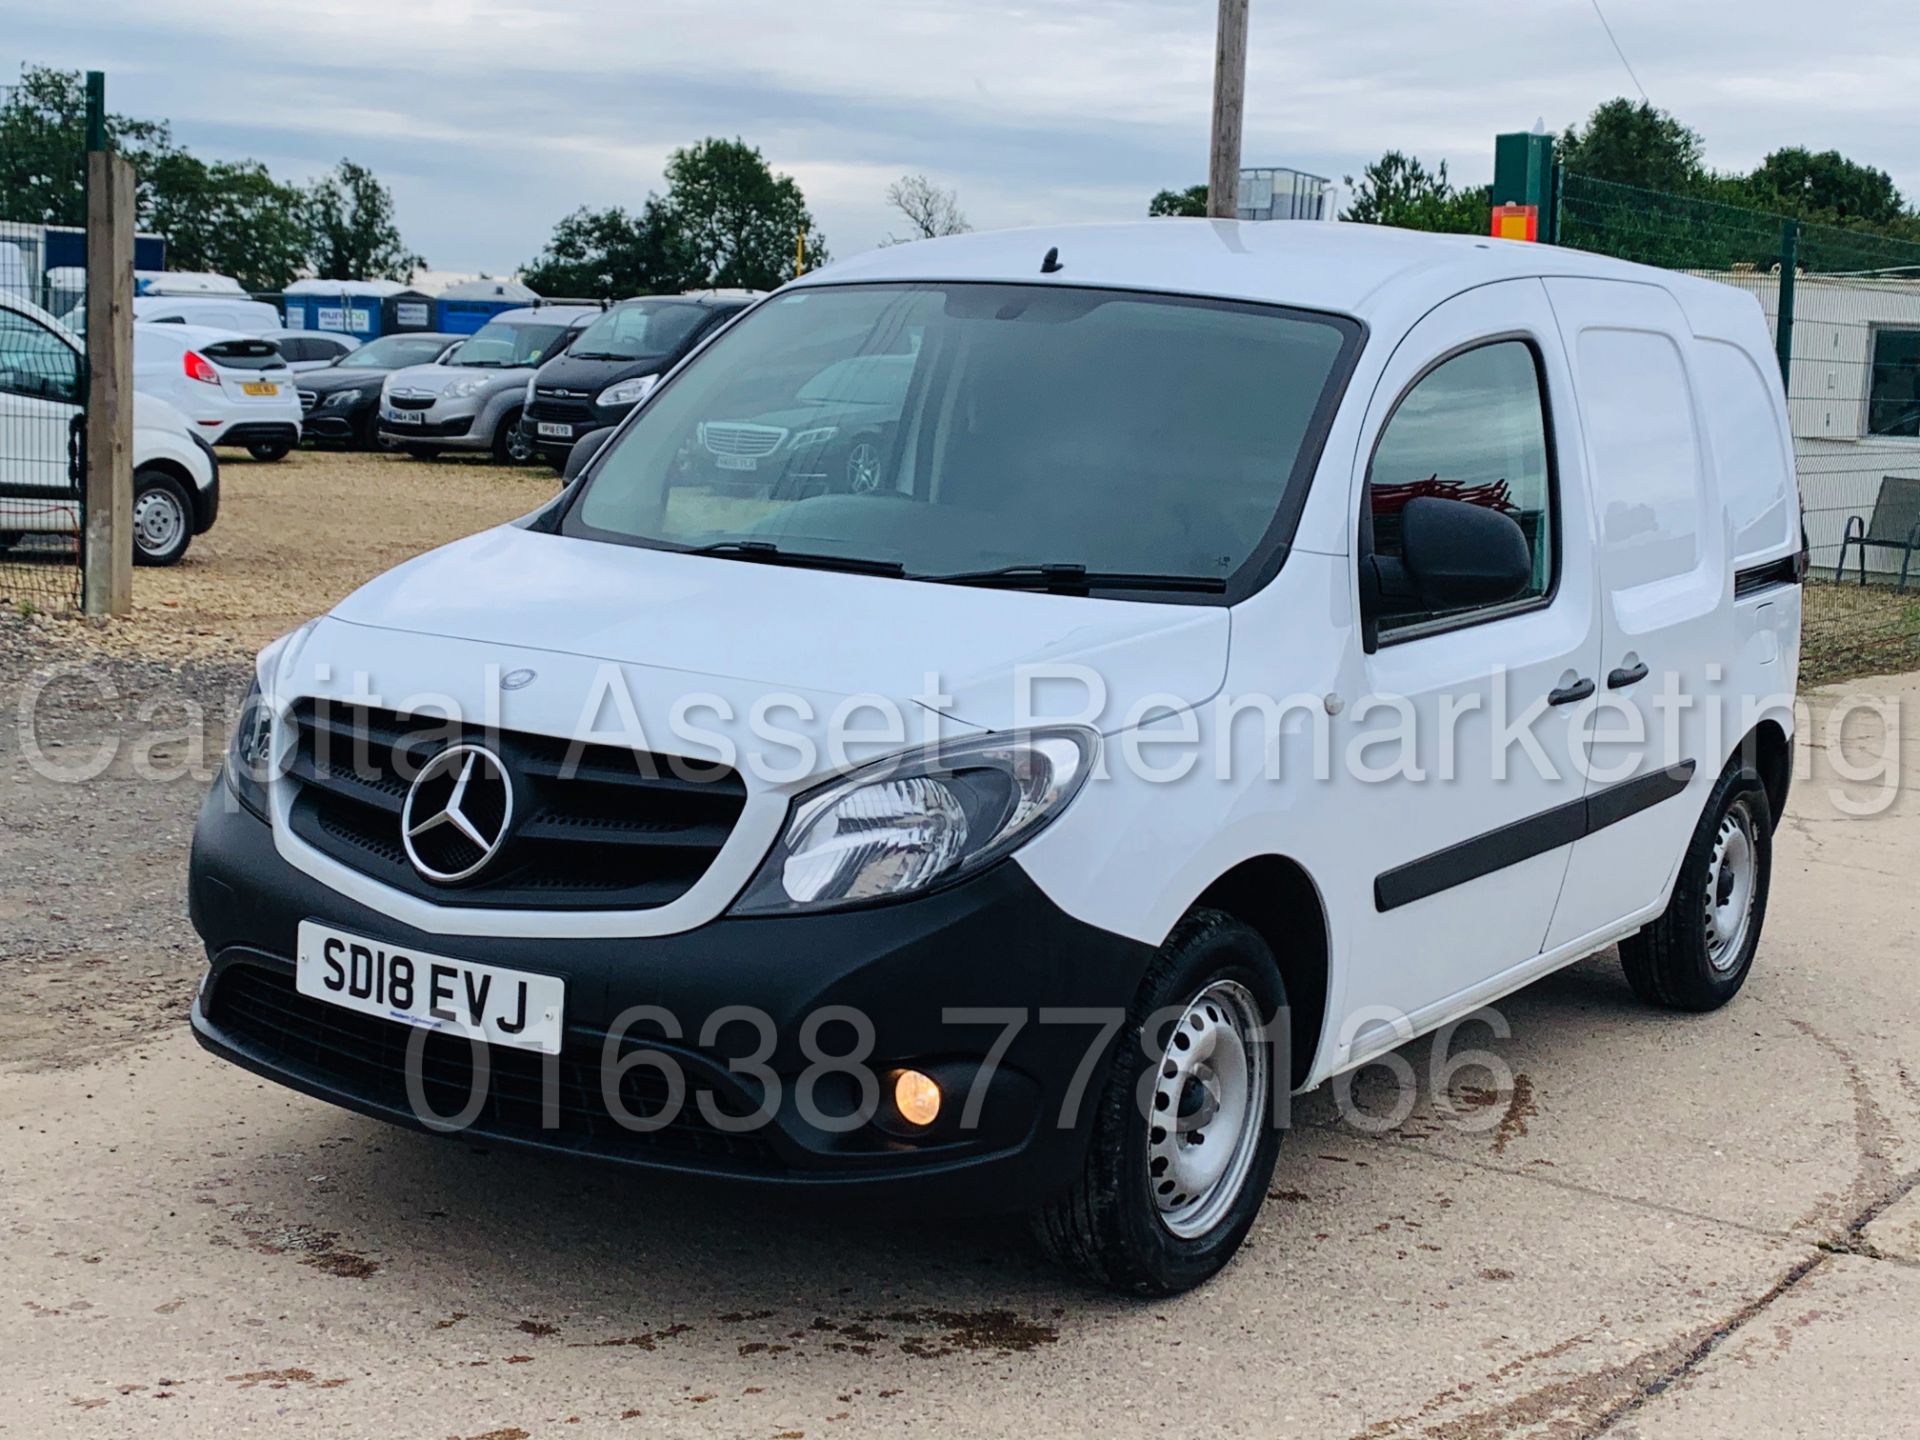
pixel 1895 526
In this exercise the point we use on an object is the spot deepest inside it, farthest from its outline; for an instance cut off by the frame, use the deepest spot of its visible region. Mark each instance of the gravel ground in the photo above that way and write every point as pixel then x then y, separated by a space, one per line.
pixel 294 537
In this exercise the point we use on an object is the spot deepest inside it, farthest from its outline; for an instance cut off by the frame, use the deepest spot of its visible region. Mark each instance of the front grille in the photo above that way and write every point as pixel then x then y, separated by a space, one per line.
pixel 366 1057
pixel 412 402
pixel 750 441
pixel 308 399
pixel 548 407
pixel 595 827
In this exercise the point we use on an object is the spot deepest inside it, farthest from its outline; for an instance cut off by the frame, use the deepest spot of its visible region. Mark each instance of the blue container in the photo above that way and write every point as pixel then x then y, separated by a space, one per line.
pixel 366 317
pixel 464 317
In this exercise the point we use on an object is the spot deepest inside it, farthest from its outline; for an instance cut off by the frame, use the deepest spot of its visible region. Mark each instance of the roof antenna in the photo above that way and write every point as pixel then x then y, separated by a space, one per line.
pixel 1051 265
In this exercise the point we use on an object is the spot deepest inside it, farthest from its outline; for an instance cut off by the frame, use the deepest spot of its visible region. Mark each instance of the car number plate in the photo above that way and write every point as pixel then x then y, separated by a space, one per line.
pixel 557 432
pixel 405 417
pixel 736 462
pixel 260 387
pixel 433 992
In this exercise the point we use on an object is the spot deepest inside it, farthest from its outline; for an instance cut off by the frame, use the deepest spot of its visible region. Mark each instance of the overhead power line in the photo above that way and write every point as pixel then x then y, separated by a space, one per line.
pixel 1618 51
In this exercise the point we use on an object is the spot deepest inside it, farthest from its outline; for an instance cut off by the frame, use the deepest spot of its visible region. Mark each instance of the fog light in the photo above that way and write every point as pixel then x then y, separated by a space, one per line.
pixel 916 1097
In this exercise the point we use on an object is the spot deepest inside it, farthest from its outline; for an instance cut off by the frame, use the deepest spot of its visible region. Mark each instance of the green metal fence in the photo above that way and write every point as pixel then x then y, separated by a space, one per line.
pixel 1844 308
pixel 43 387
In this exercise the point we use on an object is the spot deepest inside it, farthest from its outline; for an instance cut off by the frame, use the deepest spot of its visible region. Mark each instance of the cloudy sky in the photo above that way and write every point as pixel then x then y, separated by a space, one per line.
pixel 492 118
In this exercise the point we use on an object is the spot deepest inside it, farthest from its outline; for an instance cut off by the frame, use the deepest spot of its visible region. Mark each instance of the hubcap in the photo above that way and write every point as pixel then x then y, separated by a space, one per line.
pixel 158 522
pixel 1209 1100
pixel 1732 871
pixel 863 469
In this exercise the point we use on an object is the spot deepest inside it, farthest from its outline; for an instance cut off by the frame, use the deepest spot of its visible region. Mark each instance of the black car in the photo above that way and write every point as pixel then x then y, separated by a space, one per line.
pixel 614 362
pixel 341 401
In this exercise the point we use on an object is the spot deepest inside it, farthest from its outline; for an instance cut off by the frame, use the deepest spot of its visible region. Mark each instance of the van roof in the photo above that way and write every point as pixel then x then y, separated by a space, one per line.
pixel 1360 270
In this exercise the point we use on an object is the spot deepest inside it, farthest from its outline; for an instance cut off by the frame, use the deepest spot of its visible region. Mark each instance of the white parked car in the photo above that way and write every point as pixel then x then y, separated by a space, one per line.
pixel 306 350
pixel 176 478
pixel 238 313
pixel 1251 647
pixel 236 389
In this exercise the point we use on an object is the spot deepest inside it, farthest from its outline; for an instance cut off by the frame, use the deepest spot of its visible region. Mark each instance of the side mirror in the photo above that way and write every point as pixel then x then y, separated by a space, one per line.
pixel 584 449
pixel 1452 555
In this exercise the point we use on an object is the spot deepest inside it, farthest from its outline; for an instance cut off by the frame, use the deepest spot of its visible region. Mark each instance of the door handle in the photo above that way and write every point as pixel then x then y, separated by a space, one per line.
pixel 1568 694
pixel 1627 675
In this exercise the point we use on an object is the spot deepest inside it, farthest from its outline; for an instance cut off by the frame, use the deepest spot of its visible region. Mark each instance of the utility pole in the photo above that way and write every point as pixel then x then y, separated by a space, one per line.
pixel 1229 97
pixel 107 485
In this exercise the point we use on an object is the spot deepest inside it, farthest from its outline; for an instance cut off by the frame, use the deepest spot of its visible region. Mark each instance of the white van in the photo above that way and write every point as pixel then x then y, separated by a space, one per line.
pixel 176 480
pixel 238 313
pixel 1251 646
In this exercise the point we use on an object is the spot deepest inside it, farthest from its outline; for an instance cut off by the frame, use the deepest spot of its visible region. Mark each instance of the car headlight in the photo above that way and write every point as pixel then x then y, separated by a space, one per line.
pixel 250 753
pixel 628 392
pixel 343 398
pixel 460 389
pixel 819 435
pixel 914 820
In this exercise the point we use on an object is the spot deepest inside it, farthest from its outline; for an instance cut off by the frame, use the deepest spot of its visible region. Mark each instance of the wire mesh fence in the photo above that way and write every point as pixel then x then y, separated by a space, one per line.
pixel 42 409
pixel 1844 308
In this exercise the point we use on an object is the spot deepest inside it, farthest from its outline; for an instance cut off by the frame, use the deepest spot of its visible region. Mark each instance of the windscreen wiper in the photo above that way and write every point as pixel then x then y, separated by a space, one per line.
pixel 767 553
pixel 1078 579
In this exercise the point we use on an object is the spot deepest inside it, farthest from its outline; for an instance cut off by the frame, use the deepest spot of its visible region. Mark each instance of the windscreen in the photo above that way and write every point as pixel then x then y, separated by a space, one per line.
pixel 956 428
pixel 639 331
pixel 394 352
pixel 245 355
pixel 499 346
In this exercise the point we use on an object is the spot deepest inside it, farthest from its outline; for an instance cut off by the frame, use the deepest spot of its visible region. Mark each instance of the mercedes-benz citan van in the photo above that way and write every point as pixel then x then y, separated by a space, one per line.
pixel 1249 647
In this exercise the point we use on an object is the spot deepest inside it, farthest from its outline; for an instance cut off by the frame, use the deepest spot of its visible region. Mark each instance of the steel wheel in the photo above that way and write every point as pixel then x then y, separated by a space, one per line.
pixel 1732 881
pixel 159 521
pixel 1209 1106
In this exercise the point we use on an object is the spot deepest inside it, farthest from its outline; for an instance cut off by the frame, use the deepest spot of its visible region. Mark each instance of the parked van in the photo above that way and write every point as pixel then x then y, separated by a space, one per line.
pixel 1251 647
pixel 237 313
pixel 176 479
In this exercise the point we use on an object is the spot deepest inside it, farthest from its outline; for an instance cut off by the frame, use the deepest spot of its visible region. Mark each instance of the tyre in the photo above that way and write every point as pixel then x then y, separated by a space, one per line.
pixel 510 447
pixel 1697 954
pixel 1183 1141
pixel 421 452
pixel 270 450
pixel 162 518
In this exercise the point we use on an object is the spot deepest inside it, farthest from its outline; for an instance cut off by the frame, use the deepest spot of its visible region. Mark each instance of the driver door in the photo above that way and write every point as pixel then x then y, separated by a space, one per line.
pixel 39 403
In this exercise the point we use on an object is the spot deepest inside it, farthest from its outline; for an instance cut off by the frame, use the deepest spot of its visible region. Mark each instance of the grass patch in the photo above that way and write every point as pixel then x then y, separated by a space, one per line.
pixel 1851 630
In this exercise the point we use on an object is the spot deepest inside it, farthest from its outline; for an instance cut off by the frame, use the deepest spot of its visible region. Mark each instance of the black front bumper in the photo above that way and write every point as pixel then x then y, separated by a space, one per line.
pixel 349 423
pixel 994 942
pixel 584 419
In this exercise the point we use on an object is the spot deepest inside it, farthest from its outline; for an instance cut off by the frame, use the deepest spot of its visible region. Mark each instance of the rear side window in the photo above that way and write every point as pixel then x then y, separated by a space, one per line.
pixel 35 363
pixel 1473 428
pixel 245 355
pixel 1646 456
pixel 1751 457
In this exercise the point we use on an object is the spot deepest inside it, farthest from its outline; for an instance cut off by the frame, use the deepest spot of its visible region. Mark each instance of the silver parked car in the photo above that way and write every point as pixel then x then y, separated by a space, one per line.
pixel 472 399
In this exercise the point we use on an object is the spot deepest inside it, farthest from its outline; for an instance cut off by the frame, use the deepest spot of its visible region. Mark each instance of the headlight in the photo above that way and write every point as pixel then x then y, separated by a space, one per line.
pixel 819 435
pixel 460 389
pixel 250 753
pixel 912 820
pixel 628 392
pixel 344 398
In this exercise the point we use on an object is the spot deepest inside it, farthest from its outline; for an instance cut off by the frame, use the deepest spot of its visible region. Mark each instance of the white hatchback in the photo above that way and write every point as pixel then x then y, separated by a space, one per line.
pixel 236 389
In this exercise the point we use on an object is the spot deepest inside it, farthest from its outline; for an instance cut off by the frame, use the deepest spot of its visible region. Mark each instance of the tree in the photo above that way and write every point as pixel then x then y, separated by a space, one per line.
pixel 1634 144
pixel 930 210
pixel 43 149
pixel 351 229
pixel 1191 201
pixel 739 221
pixel 610 254
pixel 230 217
pixel 1826 184
pixel 1398 189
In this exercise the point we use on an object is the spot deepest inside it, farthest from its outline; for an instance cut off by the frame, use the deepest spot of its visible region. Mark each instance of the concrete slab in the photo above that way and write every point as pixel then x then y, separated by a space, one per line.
pixel 1895 1232
pixel 1836 1357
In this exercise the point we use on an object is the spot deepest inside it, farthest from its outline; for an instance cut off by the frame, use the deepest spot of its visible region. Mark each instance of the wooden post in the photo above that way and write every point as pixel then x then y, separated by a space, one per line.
pixel 1229 97
pixel 109 477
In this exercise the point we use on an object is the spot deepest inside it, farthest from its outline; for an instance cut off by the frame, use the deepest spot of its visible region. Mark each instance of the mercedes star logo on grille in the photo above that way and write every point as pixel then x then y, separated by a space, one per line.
pixel 457 814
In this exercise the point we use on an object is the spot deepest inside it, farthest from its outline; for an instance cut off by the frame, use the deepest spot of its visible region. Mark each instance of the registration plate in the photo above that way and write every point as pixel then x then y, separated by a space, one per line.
pixel 405 417
pixel 260 387
pixel 736 462
pixel 434 992
pixel 554 431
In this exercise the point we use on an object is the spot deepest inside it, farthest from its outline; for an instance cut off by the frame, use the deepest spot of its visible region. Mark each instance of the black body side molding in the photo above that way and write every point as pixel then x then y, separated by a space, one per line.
pixel 1523 839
